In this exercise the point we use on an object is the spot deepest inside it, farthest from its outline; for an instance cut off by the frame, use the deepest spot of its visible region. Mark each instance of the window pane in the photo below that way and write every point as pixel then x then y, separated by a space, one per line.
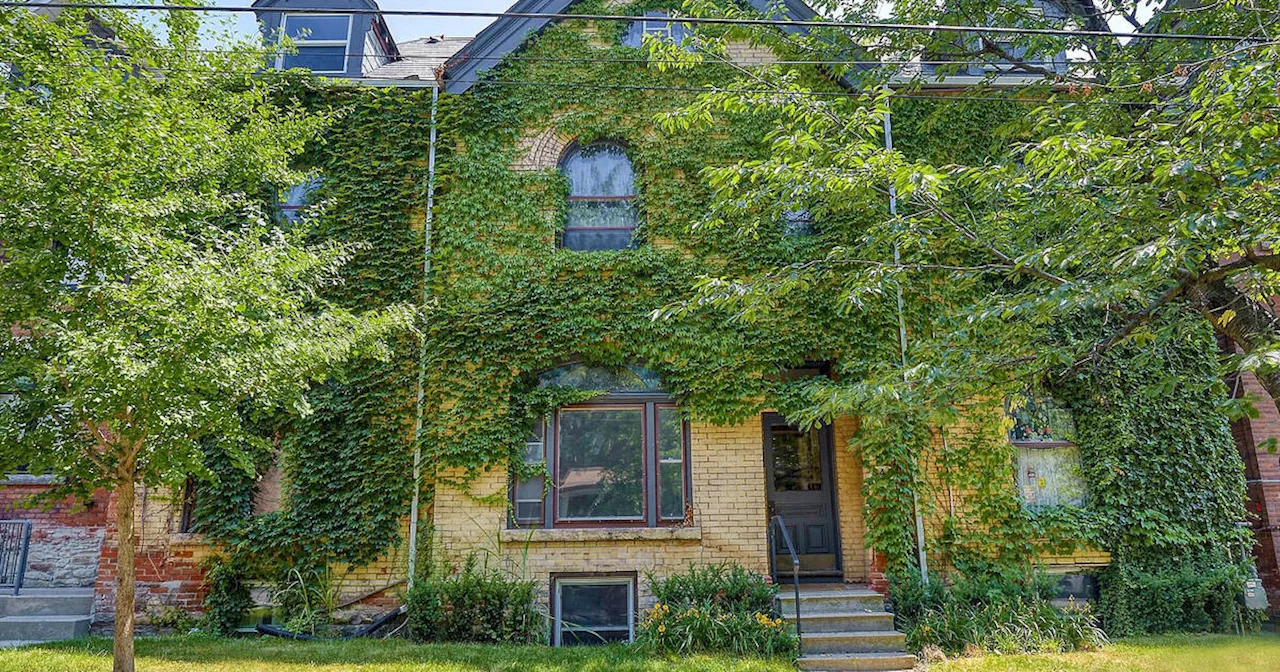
pixel 670 434
pixel 600 214
pixel 317 59
pixel 593 637
pixel 600 170
pixel 797 460
pixel 595 605
pixel 1039 421
pixel 1050 476
pixel 601 470
pixel 595 240
pixel 582 377
pixel 311 27
pixel 797 223
pixel 672 490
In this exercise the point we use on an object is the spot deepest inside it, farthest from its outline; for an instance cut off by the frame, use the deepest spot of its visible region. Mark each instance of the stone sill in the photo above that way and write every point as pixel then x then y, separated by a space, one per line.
pixel 594 534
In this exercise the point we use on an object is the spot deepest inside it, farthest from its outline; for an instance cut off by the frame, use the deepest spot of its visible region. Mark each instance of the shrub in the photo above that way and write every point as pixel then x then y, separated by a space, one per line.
pixel 720 608
pixel 227 597
pixel 1196 597
pixel 991 615
pixel 305 599
pixel 474 605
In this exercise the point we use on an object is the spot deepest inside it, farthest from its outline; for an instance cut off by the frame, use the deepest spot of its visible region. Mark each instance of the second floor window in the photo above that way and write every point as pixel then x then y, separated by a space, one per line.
pixel 602 193
pixel 321 41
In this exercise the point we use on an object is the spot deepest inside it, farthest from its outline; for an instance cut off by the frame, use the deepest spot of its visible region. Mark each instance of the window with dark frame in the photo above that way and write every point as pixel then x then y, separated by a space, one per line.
pixel 602 212
pixel 1048 459
pixel 293 202
pixel 321 41
pixel 621 460
pixel 660 25
pixel 186 518
pixel 593 610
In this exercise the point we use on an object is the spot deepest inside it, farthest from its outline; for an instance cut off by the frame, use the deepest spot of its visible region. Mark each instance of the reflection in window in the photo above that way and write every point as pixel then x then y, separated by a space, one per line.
pixel 601 464
pixel 321 41
pixel 594 610
pixel 601 208
pixel 293 202
pixel 659 25
pixel 797 459
pixel 1048 468
pixel 621 379
pixel 529 494
pixel 797 224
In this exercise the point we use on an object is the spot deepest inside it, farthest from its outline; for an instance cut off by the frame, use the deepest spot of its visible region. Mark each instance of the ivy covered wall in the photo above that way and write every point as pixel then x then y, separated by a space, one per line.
pixel 506 304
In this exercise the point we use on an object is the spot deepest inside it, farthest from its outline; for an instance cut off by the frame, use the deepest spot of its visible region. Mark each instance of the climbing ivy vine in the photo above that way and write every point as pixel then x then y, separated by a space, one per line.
pixel 506 304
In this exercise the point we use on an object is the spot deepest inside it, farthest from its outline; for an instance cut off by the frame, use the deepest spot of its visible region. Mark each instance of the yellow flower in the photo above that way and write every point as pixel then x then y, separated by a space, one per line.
pixel 662 628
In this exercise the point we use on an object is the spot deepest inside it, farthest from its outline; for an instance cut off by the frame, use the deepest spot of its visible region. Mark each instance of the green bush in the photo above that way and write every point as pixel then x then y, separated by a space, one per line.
pixel 227 596
pixel 1195 597
pixel 991 615
pixel 474 605
pixel 720 608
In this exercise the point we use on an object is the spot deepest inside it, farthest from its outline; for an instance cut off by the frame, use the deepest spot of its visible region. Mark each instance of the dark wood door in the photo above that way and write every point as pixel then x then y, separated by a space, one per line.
pixel 801 488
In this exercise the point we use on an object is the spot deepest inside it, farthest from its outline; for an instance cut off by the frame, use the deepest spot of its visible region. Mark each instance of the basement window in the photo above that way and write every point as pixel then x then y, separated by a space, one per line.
pixel 591 610
pixel 1048 467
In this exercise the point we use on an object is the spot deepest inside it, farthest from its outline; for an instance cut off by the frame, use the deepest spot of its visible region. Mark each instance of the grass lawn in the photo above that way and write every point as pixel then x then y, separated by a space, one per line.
pixel 195 654
pixel 1186 653
pixel 198 654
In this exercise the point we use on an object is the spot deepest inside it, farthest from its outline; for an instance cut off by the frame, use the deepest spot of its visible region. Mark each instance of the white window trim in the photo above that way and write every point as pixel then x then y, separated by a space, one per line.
pixel 300 43
pixel 629 581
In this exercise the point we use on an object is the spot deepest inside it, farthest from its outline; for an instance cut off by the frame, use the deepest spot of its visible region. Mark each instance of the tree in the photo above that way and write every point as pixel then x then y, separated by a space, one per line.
pixel 151 297
pixel 1145 189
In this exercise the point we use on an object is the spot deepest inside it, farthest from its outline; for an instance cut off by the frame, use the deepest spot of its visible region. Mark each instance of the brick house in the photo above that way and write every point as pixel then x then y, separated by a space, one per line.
pixel 666 491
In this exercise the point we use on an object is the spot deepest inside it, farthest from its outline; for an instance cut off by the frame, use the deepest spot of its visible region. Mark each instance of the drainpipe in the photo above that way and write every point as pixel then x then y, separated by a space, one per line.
pixel 902 347
pixel 422 342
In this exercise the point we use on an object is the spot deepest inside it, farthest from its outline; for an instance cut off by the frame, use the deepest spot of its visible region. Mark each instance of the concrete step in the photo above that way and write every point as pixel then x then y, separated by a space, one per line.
pixel 48 602
pixel 43 628
pixel 867 662
pixel 855 621
pixel 831 601
pixel 853 642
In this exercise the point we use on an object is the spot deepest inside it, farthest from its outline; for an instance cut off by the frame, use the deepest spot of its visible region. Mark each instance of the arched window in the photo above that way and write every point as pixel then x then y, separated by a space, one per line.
pixel 620 459
pixel 1044 433
pixel 602 194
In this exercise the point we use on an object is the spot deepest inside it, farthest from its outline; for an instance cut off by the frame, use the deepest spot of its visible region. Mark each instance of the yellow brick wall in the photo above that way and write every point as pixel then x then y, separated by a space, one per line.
pixel 727 469
pixel 853 528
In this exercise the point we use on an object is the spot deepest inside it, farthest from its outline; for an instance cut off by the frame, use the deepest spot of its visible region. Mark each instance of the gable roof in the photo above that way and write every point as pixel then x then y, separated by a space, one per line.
pixel 507 34
pixel 420 59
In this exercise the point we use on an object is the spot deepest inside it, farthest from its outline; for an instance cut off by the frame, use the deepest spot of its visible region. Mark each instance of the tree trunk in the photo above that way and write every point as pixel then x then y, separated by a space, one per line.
pixel 125 575
pixel 1252 326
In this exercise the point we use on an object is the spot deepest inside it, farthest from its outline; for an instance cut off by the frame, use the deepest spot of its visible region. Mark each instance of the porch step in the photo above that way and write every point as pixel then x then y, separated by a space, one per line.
pixel 43 628
pixel 862 662
pixel 831 600
pixel 864 621
pixel 853 642
pixel 48 602
pixel 845 628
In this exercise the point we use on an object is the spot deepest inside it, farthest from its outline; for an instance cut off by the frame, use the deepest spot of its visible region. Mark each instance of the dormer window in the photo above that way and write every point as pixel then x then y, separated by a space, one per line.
pixel 658 24
pixel 321 41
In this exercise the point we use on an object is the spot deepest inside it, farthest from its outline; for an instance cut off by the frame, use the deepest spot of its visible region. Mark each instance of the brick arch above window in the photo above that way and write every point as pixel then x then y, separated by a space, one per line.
pixel 542 150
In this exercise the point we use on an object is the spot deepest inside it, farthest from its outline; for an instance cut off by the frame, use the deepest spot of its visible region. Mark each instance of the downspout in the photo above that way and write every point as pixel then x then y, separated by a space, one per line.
pixel 422 342
pixel 902 347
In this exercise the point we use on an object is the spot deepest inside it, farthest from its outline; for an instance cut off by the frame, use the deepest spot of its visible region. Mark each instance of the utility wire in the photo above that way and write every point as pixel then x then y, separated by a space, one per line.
pixel 779 23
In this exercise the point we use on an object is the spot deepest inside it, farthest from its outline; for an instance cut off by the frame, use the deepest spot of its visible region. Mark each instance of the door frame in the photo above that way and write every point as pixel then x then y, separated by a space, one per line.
pixel 826 453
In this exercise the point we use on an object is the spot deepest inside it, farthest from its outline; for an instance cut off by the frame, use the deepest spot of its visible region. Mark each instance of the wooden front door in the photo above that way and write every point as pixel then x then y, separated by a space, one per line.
pixel 800 479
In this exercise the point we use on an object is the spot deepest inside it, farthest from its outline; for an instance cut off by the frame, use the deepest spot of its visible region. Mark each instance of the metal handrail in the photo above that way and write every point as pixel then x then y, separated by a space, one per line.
pixel 795 569
pixel 15 542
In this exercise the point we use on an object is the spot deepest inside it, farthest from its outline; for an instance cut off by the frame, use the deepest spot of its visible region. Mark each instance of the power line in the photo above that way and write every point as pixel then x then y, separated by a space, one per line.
pixel 777 23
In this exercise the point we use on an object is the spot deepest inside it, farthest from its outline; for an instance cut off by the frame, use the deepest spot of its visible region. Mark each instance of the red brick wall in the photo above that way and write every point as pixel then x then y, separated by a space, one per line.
pixel 14 504
pixel 167 563
pixel 1262 471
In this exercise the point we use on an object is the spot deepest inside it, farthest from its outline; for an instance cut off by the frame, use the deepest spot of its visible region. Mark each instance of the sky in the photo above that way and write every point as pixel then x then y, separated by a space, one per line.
pixel 404 28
